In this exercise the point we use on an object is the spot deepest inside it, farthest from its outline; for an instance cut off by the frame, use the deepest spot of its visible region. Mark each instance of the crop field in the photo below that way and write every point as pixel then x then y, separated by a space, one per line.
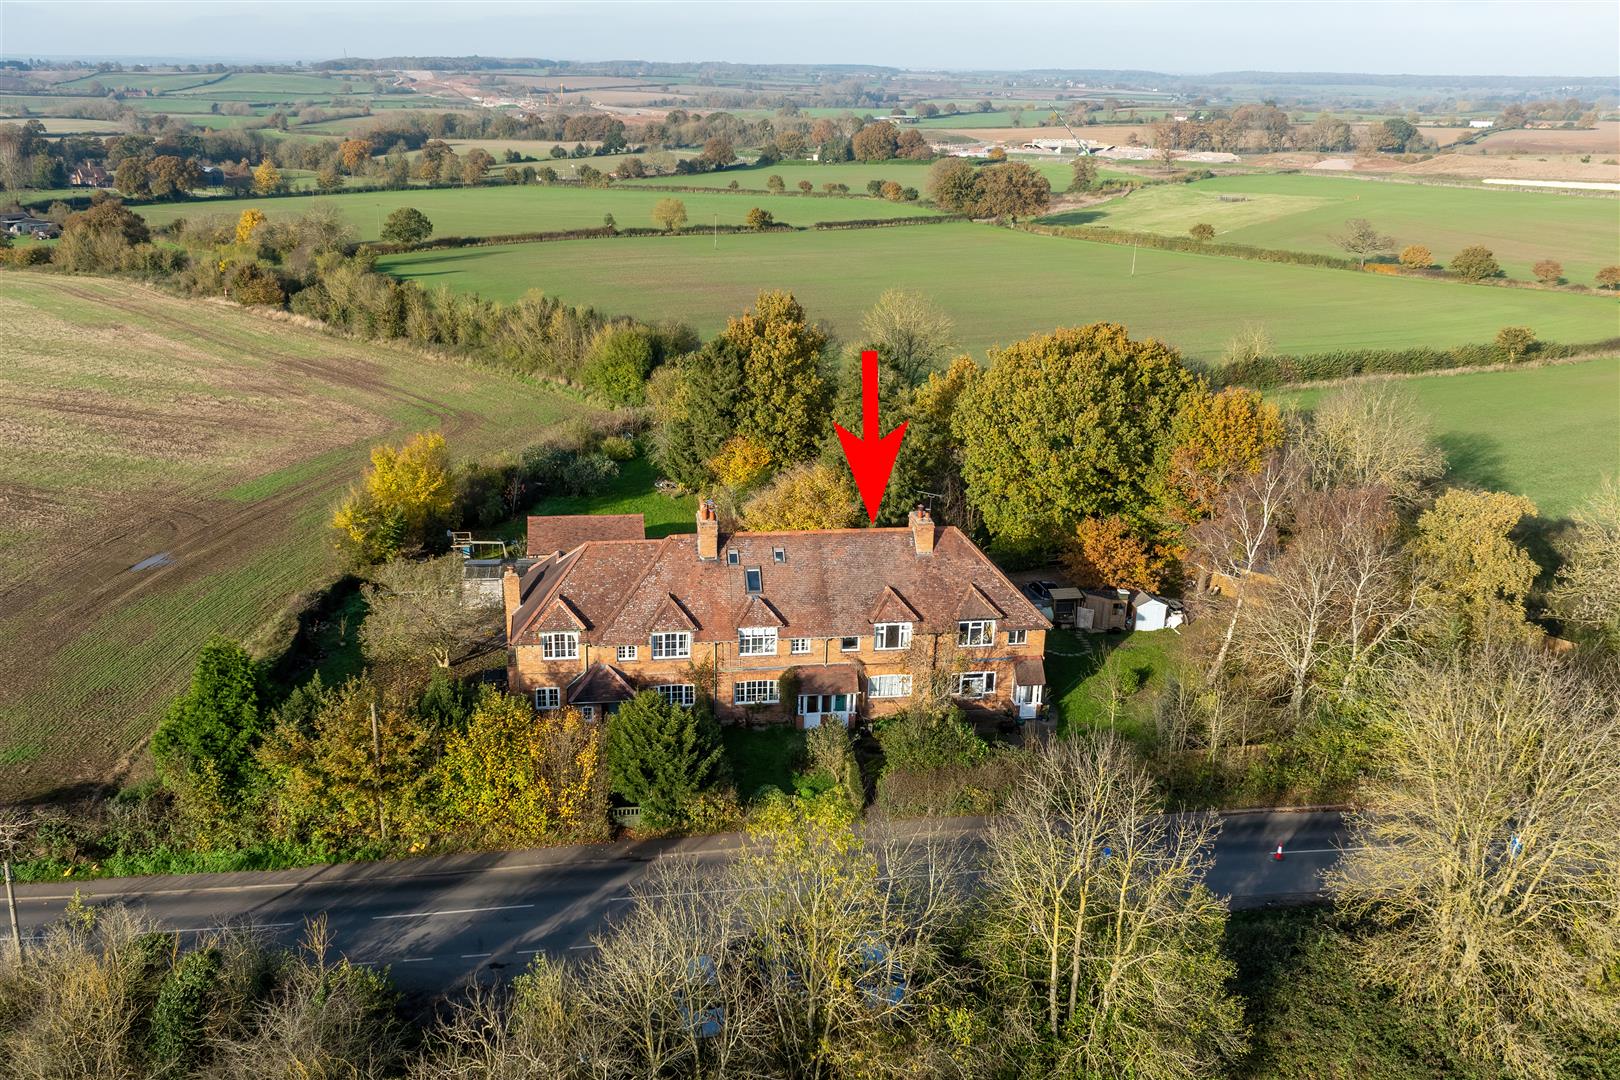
pixel 497 209
pixel 1548 432
pixel 170 466
pixel 126 80
pixel 1302 213
pixel 1001 285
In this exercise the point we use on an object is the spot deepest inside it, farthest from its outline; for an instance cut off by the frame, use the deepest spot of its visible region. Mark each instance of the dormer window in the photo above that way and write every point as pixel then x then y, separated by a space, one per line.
pixel 560 645
pixel 892 635
pixel 975 633
pixel 753 581
pixel 733 557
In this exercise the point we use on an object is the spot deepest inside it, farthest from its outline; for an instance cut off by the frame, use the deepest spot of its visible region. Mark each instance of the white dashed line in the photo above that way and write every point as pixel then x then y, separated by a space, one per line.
pixel 451 911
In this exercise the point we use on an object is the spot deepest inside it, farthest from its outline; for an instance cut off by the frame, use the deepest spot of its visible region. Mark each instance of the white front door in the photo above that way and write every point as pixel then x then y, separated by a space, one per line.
pixel 1028 700
pixel 818 707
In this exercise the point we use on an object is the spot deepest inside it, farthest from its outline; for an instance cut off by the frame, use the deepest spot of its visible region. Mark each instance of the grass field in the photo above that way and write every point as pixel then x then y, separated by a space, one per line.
pixel 170 466
pixel 1550 432
pixel 1002 285
pixel 854 173
pixel 1302 213
pixel 1108 681
pixel 496 209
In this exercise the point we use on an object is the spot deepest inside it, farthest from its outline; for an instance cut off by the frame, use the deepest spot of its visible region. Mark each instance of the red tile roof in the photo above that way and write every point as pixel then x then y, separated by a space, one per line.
pixel 832 582
pixel 565 532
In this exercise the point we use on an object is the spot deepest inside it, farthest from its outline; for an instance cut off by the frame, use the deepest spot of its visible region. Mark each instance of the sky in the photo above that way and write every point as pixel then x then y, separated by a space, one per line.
pixel 1522 37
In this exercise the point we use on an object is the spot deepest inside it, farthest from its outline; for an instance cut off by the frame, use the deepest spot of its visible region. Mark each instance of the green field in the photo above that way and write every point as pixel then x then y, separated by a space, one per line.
pixel 1550 432
pixel 854 173
pixel 1301 213
pixel 170 470
pixel 1002 285
pixel 497 209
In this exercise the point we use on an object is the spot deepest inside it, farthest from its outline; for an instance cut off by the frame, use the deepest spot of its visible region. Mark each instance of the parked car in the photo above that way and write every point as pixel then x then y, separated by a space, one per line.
pixel 1041 591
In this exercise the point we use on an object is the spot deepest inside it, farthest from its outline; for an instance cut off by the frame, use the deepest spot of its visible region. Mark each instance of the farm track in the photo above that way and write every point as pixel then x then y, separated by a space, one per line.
pixel 87 575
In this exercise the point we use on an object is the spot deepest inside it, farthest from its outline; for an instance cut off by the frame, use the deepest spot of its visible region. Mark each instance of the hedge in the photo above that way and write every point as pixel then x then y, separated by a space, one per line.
pixel 1187 243
pixel 880 223
pixel 1271 371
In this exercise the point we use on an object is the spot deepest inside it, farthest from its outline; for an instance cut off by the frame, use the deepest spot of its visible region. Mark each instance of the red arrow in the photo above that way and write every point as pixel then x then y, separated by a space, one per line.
pixel 871 457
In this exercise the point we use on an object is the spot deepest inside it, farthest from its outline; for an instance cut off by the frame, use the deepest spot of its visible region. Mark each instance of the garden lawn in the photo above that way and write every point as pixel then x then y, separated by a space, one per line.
pixel 1080 668
pixel 490 210
pixel 1550 432
pixel 762 757
pixel 1298 212
pixel 632 492
pixel 1001 285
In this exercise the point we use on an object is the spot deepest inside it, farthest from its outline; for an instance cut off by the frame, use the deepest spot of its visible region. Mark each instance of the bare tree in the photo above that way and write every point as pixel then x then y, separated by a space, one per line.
pixel 14 826
pixel 1096 928
pixel 1240 538
pixel 913 335
pixel 1361 240
pixel 1587 592
pixel 416 613
pixel 1488 865
pixel 1371 435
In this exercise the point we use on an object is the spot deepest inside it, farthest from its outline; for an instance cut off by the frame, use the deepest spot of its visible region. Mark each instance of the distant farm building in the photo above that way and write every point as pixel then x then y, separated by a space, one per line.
pixel 1481 123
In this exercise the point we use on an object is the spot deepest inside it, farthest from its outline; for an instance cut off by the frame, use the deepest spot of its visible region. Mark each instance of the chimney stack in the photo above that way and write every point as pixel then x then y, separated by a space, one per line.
pixel 922 531
pixel 511 593
pixel 708 531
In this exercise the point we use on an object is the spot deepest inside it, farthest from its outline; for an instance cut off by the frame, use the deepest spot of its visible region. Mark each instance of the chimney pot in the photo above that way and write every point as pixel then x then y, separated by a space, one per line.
pixel 708 531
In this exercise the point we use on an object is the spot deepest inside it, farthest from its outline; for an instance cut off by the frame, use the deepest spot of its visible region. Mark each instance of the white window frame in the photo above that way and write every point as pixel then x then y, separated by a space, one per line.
pixel 547 697
pixel 902 634
pixel 756 641
pixel 628 652
pixel 973 685
pixel 682 694
pixel 799 646
pixel 587 712
pixel 756 692
pixel 560 645
pixel 662 645
pixel 856 638
pixel 975 633
pixel 1018 637
pixel 888 686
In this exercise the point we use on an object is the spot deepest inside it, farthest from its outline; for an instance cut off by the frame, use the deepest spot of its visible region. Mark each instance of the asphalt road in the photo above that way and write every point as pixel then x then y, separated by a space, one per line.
pixel 439 922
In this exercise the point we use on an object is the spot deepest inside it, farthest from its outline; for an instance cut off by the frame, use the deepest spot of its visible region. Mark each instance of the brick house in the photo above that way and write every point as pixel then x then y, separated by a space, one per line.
pixel 789 626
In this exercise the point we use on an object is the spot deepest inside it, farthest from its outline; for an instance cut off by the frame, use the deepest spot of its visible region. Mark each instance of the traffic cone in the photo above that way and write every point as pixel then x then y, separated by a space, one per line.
pixel 1277 855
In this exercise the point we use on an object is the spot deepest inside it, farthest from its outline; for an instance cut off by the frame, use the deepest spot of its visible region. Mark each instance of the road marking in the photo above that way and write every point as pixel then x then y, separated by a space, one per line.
pixel 475 955
pixel 238 926
pixel 575 948
pixel 452 911
pixel 413 960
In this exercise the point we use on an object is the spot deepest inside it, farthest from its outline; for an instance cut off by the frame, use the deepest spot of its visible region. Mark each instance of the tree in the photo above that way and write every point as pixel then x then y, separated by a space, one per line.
pixel 1372 436
pixel 912 335
pixel 875 142
pixel 267 178
pixel 1485 866
pixel 1013 190
pixel 1099 938
pixel 1608 277
pixel 1514 343
pixel 1215 439
pixel 407 225
pixel 661 757
pixel 358 768
pixel 806 186
pixel 1548 271
pixel 670 213
pixel 1202 232
pixel 618 363
pixel 355 155
pixel 207 737
pixel 406 493
pixel 813 495
pixel 475 164
pixel 740 461
pixel 892 191
pixel 416 614
pixel 1361 240
pixel 954 185
pixel 1085 173
pixel 1475 574
pixel 170 175
pixel 775 184
pixel 1475 263
pixel 1066 426
pixel 1416 257
pixel 696 402
pixel 131 178
pixel 786 397
pixel 247 226
pixel 1108 552
pixel 515 779
pixel 1586 593
pixel 717 153
pixel 327 177
pixel 759 218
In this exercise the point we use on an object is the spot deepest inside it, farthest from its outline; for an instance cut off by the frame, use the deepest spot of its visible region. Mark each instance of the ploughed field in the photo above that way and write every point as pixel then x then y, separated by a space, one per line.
pixel 169 469
pixel 1001 285
pixel 1299 212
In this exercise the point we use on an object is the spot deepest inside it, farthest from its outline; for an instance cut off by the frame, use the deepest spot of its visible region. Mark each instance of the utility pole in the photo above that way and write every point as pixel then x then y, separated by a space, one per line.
pixel 12 826
pixel 1133 260
pixel 11 904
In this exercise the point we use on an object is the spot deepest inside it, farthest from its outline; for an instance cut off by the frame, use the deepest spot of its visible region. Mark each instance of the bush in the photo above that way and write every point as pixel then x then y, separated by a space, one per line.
pixel 1202 232
pixel 32 255
pixel 618 365
pixel 1475 263
pixel 587 473
pixel 1514 343
pixel 916 740
pixel 1608 277
pixel 407 225
pixel 1416 257
pixel 618 448
pixel 760 219
pixel 951 789
pixel 1548 271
